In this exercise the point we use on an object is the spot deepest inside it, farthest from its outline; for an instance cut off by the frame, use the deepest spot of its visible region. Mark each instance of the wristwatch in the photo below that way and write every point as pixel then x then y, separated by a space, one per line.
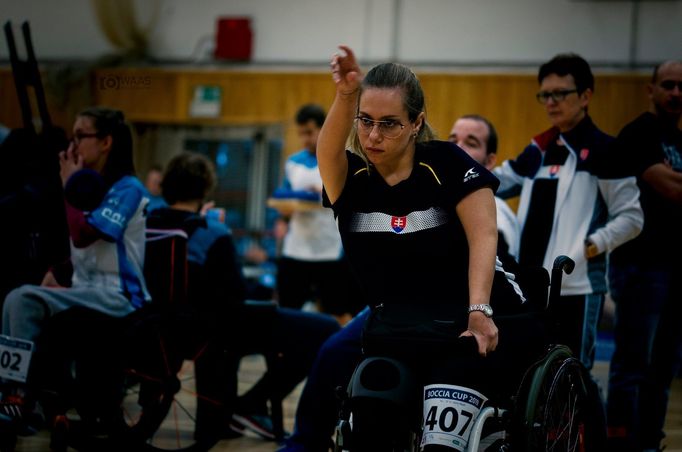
pixel 486 309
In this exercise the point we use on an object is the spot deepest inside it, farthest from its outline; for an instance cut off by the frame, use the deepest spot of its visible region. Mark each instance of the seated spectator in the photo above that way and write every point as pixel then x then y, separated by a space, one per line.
pixel 107 247
pixel 217 293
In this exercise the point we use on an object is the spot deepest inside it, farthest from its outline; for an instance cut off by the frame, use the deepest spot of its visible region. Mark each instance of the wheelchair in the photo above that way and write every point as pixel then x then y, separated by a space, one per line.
pixel 555 407
pixel 131 384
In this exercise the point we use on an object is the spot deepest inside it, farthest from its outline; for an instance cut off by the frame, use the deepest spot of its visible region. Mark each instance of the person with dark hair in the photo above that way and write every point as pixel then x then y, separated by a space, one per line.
pixel 644 274
pixel 107 242
pixel 217 292
pixel 477 136
pixel 575 200
pixel 312 266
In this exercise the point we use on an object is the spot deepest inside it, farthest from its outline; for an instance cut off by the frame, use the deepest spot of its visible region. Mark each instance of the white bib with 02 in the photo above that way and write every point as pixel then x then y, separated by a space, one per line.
pixel 15 357
pixel 449 413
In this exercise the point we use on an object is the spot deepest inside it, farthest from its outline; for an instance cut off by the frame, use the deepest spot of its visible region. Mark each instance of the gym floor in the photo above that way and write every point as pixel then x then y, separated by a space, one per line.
pixel 252 367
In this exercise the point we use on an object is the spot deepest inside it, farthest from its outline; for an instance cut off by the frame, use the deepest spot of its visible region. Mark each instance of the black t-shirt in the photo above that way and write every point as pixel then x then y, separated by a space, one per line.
pixel 642 144
pixel 405 241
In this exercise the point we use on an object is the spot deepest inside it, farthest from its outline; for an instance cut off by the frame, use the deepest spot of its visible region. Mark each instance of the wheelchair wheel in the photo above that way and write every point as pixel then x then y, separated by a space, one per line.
pixel 159 413
pixel 158 407
pixel 559 410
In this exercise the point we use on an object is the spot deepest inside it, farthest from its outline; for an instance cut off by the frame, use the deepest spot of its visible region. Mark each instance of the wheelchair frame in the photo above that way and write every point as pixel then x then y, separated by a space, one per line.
pixel 155 382
pixel 555 408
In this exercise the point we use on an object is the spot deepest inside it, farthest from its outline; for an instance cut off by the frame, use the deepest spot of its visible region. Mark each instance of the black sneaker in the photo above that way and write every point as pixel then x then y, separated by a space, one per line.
pixel 14 411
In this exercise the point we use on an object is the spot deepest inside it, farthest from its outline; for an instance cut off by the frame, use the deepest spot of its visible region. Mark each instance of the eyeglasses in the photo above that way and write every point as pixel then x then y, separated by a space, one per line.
pixel 556 96
pixel 388 128
pixel 78 137
pixel 670 85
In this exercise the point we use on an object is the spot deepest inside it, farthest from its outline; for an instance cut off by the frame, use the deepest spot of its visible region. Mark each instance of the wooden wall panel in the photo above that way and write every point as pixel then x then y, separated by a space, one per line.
pixel 266 97
pixel 144 95
pixel 10 115
pixel 508 101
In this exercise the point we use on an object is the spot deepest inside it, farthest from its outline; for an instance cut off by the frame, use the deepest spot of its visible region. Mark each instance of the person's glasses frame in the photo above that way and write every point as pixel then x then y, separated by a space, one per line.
pixel 78 137
pixel 670 85
pixel 557 95
pixel 388 128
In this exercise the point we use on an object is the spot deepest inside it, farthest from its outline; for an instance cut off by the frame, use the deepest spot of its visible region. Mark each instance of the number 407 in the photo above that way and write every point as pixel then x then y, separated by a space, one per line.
pixel 448 419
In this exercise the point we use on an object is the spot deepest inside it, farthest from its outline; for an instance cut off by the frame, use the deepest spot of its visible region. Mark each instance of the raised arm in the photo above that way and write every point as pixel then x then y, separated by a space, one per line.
pixel 331 143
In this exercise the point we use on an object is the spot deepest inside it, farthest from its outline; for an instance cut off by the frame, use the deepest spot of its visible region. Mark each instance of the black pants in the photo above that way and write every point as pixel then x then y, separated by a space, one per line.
pixel 288 338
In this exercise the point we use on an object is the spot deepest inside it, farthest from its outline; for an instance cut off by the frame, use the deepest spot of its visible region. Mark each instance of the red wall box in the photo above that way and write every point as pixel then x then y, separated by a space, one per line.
pixel 233 38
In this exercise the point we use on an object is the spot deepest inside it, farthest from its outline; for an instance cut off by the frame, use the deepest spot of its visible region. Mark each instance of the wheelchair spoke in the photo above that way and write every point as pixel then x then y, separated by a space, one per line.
pixel 160 411
pixel 565 405
pixel 557 404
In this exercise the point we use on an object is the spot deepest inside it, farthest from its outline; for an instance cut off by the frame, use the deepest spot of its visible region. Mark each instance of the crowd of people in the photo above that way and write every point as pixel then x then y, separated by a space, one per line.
pixel 410 230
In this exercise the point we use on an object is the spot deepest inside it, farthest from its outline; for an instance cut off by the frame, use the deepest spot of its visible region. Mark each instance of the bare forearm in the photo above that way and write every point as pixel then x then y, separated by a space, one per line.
pixel 665 180
pixel 482 268
pixel 331 144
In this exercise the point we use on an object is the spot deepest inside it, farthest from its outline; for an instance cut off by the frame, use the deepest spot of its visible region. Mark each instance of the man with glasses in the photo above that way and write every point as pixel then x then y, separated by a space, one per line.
pixel 574 200
pixel 645 273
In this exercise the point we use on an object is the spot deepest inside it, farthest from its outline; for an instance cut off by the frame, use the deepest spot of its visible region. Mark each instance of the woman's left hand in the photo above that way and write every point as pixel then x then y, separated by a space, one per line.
pixel 346 72
pixel 484 330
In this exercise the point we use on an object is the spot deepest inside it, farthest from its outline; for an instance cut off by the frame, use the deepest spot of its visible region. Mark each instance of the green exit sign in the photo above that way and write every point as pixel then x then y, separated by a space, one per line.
pixel 206 101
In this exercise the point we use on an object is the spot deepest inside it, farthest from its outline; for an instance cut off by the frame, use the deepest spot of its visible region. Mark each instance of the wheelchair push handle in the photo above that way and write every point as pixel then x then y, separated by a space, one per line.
pixel 564 264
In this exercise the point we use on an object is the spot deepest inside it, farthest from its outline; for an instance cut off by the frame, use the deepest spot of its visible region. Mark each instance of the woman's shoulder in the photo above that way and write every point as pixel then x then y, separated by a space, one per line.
pixel 356 164
pixel 439 151
pixel 444 158
pixel 129 182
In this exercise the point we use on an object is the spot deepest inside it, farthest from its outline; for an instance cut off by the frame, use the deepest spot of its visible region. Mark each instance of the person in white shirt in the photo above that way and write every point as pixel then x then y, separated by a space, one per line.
pixel 312 266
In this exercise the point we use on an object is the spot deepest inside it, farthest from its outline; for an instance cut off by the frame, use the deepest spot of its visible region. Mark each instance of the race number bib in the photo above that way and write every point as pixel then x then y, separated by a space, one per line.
pixel 15 357
pixel 449 413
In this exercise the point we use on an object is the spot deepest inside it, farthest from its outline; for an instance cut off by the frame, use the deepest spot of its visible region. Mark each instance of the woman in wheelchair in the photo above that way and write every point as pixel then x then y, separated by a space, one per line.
pixel 417 220
pixel 107 229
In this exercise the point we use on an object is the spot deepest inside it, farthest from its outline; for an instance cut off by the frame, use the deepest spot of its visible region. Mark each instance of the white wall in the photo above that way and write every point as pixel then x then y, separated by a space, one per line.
pixel 478 32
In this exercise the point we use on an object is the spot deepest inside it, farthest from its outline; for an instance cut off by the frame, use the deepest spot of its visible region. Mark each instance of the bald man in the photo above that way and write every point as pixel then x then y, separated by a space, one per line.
pixel 477 136
pixel 645 273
